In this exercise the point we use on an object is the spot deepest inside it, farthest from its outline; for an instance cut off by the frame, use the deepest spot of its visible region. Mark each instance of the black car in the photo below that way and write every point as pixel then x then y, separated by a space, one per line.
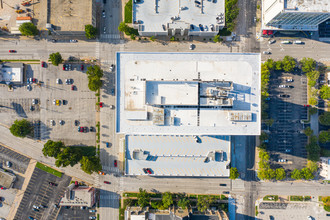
pixel 225 192
pixel 91 129
pixel 34 209
pixel 145 171
pixel 54 41
pixel 85 129
pixel 222 184
pixel 285 96
pixel 76 122
pixel 52 184
pixel 201 27
pixel 197 2
pixel 104 1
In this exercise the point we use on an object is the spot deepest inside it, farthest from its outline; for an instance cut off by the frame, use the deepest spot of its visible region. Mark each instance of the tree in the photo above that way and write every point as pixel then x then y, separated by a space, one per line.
pixel 234 174
pixel 326 200
pixel 184 203
pixel 313 75
pixel 325 92
pixel 52 148
pixel 90 164
pixel 90 31
pixel 324 137
pixel 69 156
pixel 307 64
pixel 270 63
pixel 152 38
pixel 312 166
pixel 263 136
pixel 167 199
pixel 307 174
pixel 278 65
pixel 204 202
pixel 56 58
pixel 263 155
pixel 94 71
pixel 296 174
pixel 325 118
pixel 216 38
pixel 94 84
pixel 313 150
pixel 312 101
pixel 28 29
pixel 21 128
pixel 123 27
pixel 308 131
pixel 289 63
pixel 143 198
pixel 280 174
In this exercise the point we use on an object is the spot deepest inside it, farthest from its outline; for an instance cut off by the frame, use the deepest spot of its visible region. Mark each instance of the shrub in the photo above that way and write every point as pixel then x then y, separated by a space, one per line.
pixel 325 92
pixel 152 38
pixel 21 128
pixel 172 39
pixel 308 131
pixel 325 118
pixel 90 31
pixel 28 29
pixel 324 137
pixel 234 174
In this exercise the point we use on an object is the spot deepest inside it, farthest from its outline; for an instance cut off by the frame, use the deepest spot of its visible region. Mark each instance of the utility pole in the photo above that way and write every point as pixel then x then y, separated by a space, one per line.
pixel 1 4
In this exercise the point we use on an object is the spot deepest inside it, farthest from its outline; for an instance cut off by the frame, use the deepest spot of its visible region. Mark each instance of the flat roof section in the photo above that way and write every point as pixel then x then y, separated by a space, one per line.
pixel 157 16
pixel 188 93
pixel 178 155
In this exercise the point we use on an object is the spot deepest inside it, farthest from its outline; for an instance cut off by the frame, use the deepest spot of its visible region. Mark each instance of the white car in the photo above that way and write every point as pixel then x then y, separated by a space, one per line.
pixel 58 81
pixel 73 41
pixel 36 207
pixel 112 67
pixel 54 101
pixel 281 86
pixel 289 80
pixel 103 13
pixel 29 88
pixel 271 41
pixel 92 210
pixel 104 30
pixel 267 52
pixel 52 122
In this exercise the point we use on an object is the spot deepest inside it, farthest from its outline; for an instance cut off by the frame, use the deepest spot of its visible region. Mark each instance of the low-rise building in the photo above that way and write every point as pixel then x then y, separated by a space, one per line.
pixel 185 17
pixel 325 168
pixel 11 73
pixel 294 15
pixel 7 179
pixel 79 196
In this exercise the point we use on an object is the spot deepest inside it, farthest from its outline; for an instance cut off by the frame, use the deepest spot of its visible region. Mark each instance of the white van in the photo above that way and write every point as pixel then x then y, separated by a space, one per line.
pixel 286 42
pixel 298 42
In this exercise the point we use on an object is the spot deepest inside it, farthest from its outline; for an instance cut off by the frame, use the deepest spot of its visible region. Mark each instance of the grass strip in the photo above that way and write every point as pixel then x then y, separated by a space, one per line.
pixel 48 169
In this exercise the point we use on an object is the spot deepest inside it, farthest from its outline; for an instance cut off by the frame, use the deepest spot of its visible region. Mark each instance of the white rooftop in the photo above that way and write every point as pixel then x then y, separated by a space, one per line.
pixel 152 15
pixel 11 72
pixel 178 155
pixel 172 93
pixel 308 5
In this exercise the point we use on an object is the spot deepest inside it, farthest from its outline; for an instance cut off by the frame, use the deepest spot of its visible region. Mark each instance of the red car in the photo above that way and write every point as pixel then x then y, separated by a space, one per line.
pixel 80 129
pixel 72 87
pixel 115 163
pixel 82 67
pixel 63 67
pixel 43 64
pixel 12 51
pixel 149 171
pixel 307 106
pixel 101 104
pixel 107 182
pixel 34 80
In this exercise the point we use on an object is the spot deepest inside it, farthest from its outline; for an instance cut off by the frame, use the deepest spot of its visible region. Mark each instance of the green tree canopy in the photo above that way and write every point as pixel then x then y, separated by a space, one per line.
pixel 56 58
pixel 21 128
pixel 28 29
pixel 296 174
pixel 69 156
pixel 216 38
pixel 234 174
pixel 90 164
pixel 313 75
pixel 270 63
pixel 143 198
pixel 313 150
pixel 184 203
pixel 94 84
pixel 231 11
pixel 308 131
pixel 289 63
pixel 307 173
pixel 90 31
pixel 204 202
pixel 280 174
pixel 312 166
pixel 278 65
pixel 308 64
pixel 324 136
pixel 325 118
pixel 52 148
pixel 325 92
pixel 167 199
pixel 94 71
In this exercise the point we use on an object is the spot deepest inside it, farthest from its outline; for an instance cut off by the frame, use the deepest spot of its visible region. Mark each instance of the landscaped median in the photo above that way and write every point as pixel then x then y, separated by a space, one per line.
pixel 300 198
pixel 49 169
pixel 271 198
pixel 163 201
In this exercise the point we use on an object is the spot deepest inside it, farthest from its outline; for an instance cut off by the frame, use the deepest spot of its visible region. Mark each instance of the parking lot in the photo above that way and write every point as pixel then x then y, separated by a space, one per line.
pixel 286 107
pixel 43 195
pixel 75 213
pixel 291 211
pixel 74 105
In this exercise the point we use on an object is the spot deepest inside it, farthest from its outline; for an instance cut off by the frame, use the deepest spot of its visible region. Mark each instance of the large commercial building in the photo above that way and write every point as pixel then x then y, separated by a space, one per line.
pixel 185 17
pixel 297 15
pixel 179 110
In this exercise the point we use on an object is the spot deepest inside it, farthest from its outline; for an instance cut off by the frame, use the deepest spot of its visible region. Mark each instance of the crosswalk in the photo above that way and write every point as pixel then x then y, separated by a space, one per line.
pixel 110 36
pixel 97 50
